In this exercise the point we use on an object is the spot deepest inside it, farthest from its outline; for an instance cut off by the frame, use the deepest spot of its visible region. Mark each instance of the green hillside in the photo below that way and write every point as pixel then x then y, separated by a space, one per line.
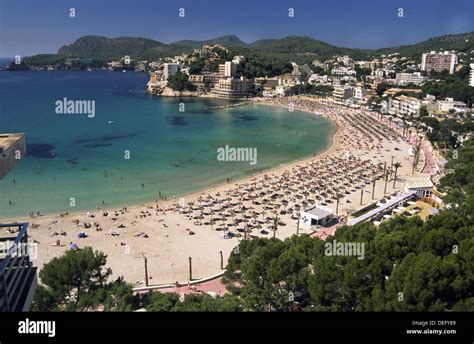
pixel 228 41
pixel 460 42
pixel 103 48
pixel 300 49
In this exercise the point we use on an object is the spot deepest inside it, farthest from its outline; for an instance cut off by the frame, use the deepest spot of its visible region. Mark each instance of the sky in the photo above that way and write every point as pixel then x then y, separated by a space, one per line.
pixel 30 27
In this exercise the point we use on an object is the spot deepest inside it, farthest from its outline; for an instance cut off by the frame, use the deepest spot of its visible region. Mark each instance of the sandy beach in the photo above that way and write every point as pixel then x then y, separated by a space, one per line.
pixel 169 232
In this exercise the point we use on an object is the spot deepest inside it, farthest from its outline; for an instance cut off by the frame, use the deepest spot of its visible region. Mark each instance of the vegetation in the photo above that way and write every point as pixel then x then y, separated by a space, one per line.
pixel 293 48
pixel 454 85
pixel 180 82
pixel 77 281
pixel 320 90
pixel 463 42
pixel 103 48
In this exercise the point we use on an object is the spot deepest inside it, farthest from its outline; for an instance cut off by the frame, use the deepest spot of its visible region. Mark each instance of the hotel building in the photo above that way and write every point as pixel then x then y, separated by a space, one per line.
pixel 439 61
pixel 228 69
pixel 169 69
pixel 231 88
pixel 471 75
pixel 409 78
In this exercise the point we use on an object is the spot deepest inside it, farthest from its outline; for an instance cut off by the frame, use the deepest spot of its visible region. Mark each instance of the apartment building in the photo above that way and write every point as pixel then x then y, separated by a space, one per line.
pixel 232 88
pixel 439 61
pixel 267 83
pixel 341 94
pixel 343 71
pixel 211 78
pixel 450 104
pixel 169 69
pixel 471 75
pixel 409 78
pixel 403 106
pixel 228 69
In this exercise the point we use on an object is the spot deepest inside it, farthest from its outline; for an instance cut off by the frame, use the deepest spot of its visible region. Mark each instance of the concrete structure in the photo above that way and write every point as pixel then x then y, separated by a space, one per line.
pixel 439 62
pixel 343 71
pixel 231 88
pixel 318 215
pixel 341 94
pixel 471 75
pixel 404 105
pixel 169 69
pixel 409 78
pixel 450 104
pixel 384 208
pixel 211 78
pixel 228 69
pixel 267 83
pixel 12 149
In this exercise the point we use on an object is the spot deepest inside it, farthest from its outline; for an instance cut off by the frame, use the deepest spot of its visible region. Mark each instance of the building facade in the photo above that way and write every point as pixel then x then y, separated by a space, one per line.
pixel 409 78
pixel 471 75
pixel 169 69
pixel 439 62
pixel 231 88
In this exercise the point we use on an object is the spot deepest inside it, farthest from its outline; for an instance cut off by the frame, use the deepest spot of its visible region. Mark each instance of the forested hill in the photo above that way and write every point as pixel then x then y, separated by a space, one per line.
pixel 293 48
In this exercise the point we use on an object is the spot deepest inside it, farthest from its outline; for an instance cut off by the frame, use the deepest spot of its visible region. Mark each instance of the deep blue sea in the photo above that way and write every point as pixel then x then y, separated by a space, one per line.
pixel 171 152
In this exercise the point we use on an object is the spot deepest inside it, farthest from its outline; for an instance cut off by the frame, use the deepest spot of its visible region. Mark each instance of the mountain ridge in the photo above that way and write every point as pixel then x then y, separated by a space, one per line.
pixel 298 48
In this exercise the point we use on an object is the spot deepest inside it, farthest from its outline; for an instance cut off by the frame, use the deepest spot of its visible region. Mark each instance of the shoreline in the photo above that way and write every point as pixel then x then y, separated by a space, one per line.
pixel 334 145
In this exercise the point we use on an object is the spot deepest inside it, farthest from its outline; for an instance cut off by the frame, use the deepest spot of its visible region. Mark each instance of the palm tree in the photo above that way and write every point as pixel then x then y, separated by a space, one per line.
pixel 373 187
pixel 386 181
pixel 275 225
pixel 415 159
pixel 338 197
pixel 396 166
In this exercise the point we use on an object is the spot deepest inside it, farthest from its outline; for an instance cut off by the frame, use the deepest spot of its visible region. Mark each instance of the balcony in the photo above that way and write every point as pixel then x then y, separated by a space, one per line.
pixel 17 275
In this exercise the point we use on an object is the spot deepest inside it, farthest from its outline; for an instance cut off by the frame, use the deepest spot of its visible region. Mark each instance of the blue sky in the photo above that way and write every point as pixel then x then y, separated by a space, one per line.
pixel 42 26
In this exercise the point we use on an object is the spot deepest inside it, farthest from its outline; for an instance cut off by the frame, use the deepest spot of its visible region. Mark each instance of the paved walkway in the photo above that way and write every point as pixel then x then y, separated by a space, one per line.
pixel 430 163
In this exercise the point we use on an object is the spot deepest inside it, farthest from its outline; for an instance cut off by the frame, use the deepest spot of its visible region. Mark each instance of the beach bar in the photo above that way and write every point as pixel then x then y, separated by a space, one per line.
pixel 318 215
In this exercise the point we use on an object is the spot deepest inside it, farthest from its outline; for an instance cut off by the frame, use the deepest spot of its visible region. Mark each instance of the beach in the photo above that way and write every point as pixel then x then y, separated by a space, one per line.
pixel 203 224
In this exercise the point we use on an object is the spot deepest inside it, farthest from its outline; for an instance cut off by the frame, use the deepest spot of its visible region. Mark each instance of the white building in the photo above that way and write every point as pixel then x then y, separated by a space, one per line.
pixel 341 93
pixel 318 215
pixel 450 104
pixel 231 88
pixel 282 90
pixel 404 105
pixel 169 69
pixel 409 78
pixel 471 75
pixel 439 61
pixel 343 71
pixel 421 184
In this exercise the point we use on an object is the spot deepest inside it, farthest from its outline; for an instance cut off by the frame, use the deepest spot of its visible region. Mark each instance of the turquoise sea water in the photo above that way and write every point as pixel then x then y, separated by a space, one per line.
pixel 172 152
